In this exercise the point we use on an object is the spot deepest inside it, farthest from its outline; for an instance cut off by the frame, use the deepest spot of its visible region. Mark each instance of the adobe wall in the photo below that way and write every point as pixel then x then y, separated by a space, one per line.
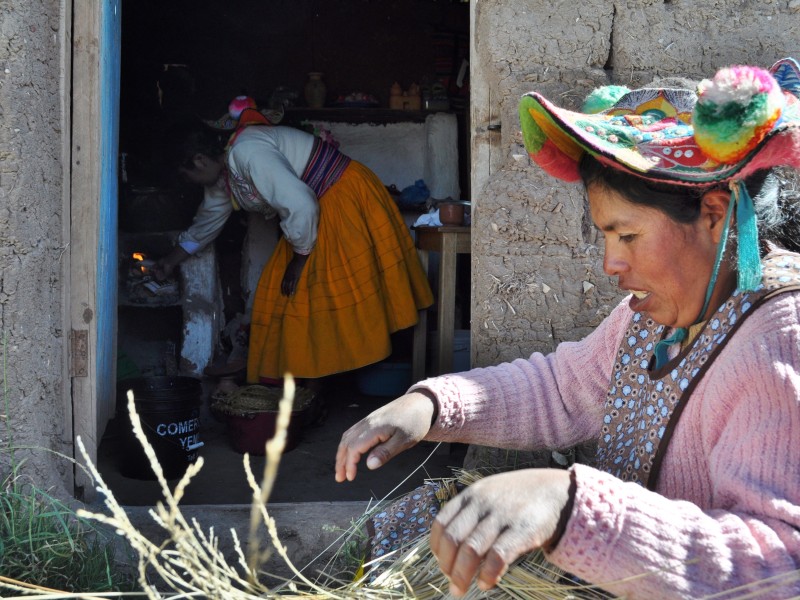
pixel 537 265
pixel 32 246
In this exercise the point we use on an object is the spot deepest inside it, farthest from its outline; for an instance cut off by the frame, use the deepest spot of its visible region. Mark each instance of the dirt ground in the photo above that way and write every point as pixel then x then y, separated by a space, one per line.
pixel 311 510
pixel 306 473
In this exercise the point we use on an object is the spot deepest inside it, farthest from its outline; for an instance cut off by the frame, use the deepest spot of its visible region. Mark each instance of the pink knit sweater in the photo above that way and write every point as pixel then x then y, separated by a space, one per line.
pixel 727 508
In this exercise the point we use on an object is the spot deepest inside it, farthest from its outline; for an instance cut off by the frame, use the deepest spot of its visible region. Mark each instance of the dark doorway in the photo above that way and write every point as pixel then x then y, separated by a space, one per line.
pixel 193 57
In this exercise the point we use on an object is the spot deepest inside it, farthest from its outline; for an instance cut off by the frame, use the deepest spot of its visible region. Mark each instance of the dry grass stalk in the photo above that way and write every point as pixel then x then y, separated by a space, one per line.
pixel 30 590
pixel 191 565
pixel 261 493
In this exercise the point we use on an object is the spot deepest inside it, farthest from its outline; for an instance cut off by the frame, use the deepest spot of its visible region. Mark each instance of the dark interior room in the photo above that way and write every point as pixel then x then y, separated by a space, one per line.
pixel 381 64
pixel 195 56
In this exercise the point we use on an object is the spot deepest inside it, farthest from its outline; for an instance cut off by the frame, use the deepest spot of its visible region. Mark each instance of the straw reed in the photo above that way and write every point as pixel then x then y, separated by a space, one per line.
pixel 190 565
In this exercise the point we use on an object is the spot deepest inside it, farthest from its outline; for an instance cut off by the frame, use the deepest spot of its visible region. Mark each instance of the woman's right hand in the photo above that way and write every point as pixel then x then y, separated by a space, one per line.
pixel 167 265
pixel 292 274
pixel 385 433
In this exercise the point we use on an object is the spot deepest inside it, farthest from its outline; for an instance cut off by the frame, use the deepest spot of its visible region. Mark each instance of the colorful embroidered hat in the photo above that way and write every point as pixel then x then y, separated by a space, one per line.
pixel 742 120
pixel 230 120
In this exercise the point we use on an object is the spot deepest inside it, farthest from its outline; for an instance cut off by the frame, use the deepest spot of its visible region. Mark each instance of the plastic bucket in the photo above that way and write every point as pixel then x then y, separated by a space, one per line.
pixel 461 349
pixel 169 409
pixel 251 432
pixel 386 379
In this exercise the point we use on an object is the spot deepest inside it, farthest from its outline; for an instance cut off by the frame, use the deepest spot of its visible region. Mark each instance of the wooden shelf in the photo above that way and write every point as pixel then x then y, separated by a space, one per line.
pixel 294 116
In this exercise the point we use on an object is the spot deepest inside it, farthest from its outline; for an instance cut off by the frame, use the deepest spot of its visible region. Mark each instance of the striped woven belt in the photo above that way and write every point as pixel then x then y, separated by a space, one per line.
pixel 325 166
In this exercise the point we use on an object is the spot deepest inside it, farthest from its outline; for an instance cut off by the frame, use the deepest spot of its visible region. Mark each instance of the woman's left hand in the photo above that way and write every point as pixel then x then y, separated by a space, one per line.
pixel 292 274
pixel 494 521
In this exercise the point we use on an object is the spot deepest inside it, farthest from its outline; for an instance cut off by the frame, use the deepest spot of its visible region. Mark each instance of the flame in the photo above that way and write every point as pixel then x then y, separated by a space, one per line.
pixel 139 257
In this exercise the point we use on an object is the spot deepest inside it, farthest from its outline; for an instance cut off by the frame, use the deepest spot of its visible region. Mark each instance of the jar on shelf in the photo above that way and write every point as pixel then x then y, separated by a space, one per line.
pixel 315 90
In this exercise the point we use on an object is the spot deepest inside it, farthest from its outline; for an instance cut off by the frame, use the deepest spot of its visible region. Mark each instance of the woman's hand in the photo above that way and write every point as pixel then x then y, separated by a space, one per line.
pixel 292 274
pixel 165 266
pixel 385 433
pixel 494 521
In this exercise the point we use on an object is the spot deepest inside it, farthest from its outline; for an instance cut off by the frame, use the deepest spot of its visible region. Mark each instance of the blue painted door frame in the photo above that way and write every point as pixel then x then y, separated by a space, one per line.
pixel 110 65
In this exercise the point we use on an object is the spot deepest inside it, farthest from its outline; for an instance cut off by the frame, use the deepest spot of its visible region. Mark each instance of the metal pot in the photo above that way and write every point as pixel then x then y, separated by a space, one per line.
pixel 452 213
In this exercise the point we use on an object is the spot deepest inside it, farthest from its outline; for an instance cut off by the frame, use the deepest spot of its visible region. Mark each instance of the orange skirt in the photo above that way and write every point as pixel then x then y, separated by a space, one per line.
pixel 362 281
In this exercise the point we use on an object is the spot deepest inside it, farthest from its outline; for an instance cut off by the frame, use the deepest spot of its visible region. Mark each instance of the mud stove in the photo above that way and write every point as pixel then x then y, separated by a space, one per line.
pixel 169 327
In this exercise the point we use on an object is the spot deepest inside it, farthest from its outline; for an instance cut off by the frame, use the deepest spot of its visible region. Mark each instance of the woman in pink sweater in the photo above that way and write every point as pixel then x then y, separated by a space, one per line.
pixel 691 386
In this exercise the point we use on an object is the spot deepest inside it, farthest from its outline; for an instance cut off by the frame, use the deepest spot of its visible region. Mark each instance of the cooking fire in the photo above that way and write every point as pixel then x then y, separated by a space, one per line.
pixel 142 286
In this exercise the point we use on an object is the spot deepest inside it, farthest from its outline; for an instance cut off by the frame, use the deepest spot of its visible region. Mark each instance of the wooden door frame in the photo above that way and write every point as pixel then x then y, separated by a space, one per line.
pixel 85 191
pixel 486 153
pixel 84 178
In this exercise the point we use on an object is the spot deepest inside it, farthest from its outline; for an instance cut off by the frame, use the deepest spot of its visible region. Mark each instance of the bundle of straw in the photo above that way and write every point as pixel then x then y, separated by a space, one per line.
pixel 413 571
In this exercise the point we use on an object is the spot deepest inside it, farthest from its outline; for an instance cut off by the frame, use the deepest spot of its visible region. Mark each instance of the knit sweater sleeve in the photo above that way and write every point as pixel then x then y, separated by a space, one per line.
pixel 726 512
pixel 552 401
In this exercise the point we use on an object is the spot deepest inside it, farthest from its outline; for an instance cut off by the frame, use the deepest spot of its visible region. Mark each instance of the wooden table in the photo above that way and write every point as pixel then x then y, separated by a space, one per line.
pixel 448 241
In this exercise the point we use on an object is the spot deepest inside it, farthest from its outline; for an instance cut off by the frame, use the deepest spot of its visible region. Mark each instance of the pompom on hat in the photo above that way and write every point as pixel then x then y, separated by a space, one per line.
pixel 744 119
pixel 239 104
pixel 603 98
pixel 230 120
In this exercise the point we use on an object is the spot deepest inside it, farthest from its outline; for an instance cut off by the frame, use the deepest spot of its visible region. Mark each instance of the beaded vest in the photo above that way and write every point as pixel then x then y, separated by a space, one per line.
pixel 642 406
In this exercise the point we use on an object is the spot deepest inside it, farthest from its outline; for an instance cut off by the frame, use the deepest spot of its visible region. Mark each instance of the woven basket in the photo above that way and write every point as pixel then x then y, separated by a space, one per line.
pixel 253 399
pixel 251 414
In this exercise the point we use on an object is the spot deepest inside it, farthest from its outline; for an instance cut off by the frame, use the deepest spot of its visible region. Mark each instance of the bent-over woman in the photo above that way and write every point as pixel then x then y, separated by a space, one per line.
pixel 345 274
